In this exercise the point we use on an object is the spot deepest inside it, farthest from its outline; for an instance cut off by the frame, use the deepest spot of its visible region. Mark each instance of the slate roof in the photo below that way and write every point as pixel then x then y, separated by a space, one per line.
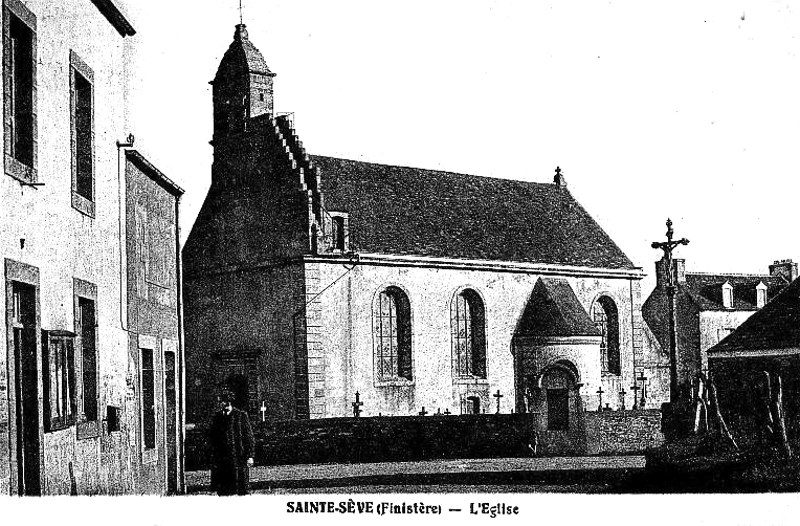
pixel 410 211
pixel 554 310
pixel 776 326
pixel 245 54
pixel 706 290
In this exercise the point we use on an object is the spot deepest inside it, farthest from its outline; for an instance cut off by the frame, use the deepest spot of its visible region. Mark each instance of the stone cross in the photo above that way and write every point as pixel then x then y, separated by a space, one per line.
pixel 600 394
pixel 357 406
pixel 263 411
pixel 643 380
pixel 447 411
pixel 498 396
pixel 635 388
pixel 423 412
pixel 668 246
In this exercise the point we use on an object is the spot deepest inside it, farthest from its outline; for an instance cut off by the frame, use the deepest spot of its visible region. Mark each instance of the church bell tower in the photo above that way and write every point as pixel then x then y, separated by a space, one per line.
pixel 242 88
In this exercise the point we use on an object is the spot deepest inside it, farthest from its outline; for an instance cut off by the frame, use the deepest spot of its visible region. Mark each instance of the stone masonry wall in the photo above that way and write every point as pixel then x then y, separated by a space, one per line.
pixel 620 432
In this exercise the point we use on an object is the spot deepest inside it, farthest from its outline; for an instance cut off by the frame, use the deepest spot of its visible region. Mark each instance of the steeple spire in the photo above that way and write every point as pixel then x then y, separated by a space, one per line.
pixel 241 16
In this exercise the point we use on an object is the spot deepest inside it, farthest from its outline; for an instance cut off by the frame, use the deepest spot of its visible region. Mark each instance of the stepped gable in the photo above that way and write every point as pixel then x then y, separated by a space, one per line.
pixel 554 310
pixel 706 289
pixel 775 326
pixel 410 211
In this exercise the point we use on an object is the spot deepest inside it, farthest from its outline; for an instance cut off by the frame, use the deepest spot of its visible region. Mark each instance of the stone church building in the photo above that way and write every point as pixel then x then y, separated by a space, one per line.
pixel 309 279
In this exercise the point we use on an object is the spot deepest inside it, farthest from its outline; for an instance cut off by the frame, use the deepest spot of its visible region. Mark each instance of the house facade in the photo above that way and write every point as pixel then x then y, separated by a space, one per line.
pixel 708 307
pixel 90 334
pixel 757 364
pixel 318 287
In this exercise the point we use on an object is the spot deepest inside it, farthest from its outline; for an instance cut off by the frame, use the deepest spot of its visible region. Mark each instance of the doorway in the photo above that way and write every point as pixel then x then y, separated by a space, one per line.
pixel 172 422
pixel 26 388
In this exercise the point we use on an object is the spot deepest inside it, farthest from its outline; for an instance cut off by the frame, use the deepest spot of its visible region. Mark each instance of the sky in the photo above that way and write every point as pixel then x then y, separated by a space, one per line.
pixel 683 109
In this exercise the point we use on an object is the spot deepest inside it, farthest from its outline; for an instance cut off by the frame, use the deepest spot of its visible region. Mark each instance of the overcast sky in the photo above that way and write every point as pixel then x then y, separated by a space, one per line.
pixel 687 109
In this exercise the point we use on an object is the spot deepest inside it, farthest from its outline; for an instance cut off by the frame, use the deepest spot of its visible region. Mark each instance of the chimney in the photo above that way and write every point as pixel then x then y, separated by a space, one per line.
pixel 678 272
pixel 785 268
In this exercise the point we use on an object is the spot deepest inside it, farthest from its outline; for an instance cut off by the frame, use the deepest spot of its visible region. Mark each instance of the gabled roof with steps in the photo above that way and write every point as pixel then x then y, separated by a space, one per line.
pixel 410 211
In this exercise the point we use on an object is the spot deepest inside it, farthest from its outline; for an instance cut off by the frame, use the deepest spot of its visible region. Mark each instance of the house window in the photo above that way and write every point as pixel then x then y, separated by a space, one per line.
pixel 88 332
pixel 338 233
pixel 393 335
pixel 148 399
pixel 59 379
pixel 606 319
pixel 19 73
pixel 761 295
pixel 82 135
pixel 468 326
pixel 727 296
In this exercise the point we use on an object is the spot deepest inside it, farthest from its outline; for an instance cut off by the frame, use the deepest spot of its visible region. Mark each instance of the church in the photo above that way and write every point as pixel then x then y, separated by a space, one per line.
pixel 315 285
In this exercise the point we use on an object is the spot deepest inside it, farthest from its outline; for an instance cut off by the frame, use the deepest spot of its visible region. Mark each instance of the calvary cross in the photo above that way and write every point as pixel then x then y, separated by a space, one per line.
pixel 498 396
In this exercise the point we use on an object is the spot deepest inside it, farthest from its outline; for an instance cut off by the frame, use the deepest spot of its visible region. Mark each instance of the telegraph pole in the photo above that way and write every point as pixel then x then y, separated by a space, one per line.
pixel 668 246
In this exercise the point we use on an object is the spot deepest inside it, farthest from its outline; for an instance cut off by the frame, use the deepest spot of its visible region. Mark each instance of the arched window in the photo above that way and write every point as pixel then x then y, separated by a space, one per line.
pixel 606 319
pixel 468 327
pixel 392 316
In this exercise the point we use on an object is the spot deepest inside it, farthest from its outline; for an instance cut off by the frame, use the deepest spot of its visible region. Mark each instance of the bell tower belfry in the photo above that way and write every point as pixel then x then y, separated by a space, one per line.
pixel 242 88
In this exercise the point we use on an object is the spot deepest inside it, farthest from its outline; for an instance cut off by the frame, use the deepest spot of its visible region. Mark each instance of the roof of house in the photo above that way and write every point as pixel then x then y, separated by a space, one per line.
pixel 410 211
pixel 706 289
pixel 141 162
pixel 776 326
pixel 554 310
pixel 115 16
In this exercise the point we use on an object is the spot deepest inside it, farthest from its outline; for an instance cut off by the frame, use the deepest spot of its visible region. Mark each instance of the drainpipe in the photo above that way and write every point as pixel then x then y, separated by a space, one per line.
pixel 122 147
pixel 181 362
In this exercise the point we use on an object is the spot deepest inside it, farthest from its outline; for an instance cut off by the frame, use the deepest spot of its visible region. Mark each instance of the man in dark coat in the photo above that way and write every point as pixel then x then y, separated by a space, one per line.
pixel 232 449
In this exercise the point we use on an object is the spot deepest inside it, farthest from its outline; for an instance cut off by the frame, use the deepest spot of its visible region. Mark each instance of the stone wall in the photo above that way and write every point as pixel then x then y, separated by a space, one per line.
pixel 409 438
pixel 380 439
pixel 622 432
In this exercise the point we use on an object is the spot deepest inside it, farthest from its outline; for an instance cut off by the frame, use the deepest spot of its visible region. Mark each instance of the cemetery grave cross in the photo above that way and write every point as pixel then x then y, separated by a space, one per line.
pixel 498 396
pixel 357 405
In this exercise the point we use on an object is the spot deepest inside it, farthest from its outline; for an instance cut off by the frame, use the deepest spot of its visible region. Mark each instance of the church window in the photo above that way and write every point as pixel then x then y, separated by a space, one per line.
pixel 468 327
pixel 19 73
pixel 392 335
pixel 606 319
pixel 82 135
